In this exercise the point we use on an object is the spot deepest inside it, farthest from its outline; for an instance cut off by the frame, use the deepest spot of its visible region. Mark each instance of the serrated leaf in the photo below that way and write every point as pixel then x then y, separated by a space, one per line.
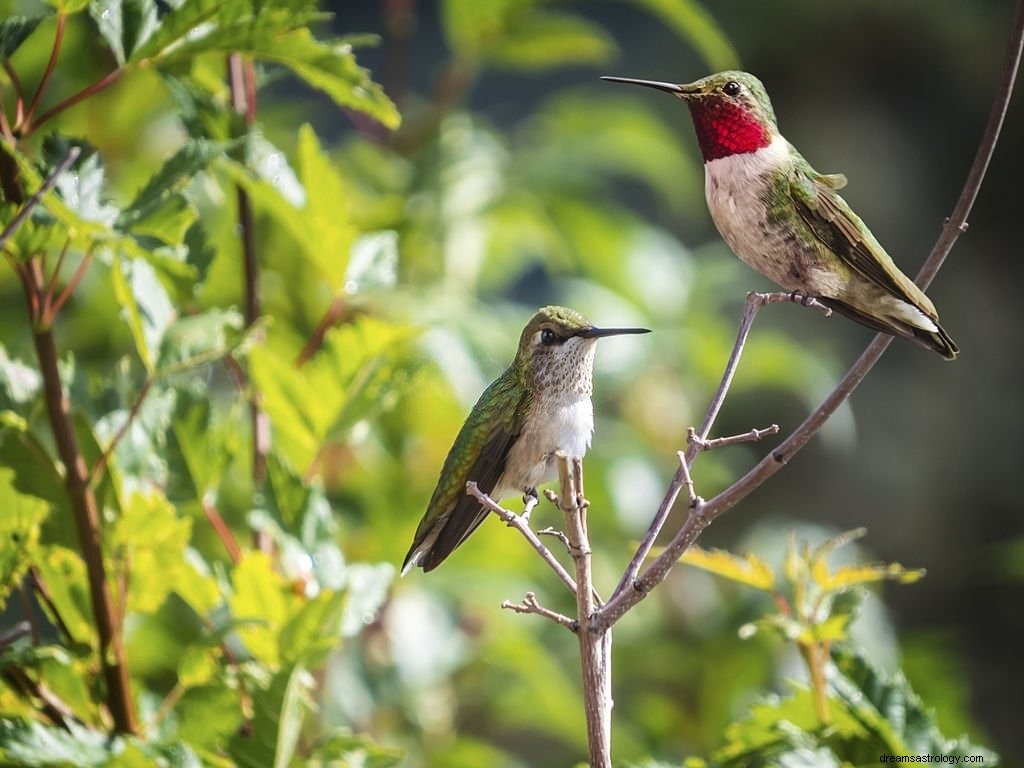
pixel 32 743
pixel 83 186
pixel 692 22
pixel 314 630
pixel 15 30
pixel 151 539
pixel 125 24
pixel 159 210
pixel 199 339
pixel 349 374
pixel 748 569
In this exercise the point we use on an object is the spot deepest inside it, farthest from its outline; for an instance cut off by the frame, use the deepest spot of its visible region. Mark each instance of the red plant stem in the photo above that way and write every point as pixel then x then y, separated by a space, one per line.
pixel 90 90
pixel 58 38
pixel 87 522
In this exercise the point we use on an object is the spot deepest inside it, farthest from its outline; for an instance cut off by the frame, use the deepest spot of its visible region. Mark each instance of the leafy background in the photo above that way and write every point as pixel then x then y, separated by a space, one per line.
pixel 516 179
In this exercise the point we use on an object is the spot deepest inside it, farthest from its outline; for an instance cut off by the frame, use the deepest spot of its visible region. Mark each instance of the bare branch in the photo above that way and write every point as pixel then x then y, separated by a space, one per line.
pixel 513 520
pixel 529 604
pixel 550 531
pixel 101 464
pixel 684 467
pixel 720 442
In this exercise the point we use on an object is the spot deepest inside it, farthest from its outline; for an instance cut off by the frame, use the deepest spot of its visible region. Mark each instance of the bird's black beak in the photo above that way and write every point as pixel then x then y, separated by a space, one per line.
pixel 679 90
pixel 597 333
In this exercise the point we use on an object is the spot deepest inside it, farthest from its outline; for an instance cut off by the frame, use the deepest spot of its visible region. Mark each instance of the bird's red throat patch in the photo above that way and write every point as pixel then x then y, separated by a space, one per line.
pixel 725 129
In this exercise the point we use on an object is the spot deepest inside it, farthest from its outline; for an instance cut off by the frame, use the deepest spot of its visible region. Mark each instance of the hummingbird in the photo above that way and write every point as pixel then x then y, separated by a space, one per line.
pixel 786 220
pixel 538 406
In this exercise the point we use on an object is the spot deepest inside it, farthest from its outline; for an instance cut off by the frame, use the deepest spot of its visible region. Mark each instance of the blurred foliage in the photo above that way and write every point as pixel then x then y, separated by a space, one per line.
pixel 398 263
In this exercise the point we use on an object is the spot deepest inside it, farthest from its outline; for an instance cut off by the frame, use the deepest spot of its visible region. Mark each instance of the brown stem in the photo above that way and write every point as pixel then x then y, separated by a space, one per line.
pixel 33 201
pixel 43 593
pixel 595 642
pixel 87 521
pixel 90 90
pixel 52 306
pixel 704 513
pixel 19 92
pixel 58 38
pixel 242 82
pixel 331 318
pixel 223 532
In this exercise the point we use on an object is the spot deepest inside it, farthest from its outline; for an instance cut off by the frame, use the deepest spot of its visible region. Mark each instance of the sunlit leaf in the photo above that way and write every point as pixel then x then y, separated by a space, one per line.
pixel 150 538
pixel 749 569
pixel 260 595
pixel 19 532
pixel 63 572
pixel 124 24
pixel 854 575
pixel 199 339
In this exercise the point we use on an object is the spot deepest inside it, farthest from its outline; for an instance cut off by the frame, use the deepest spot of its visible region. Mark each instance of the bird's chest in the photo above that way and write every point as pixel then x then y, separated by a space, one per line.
pixel 749 203
pixel 554 424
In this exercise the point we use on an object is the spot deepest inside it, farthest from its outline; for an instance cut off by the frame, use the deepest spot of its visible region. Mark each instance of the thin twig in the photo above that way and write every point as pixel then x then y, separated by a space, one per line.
pixel 19 92
pixel 684 467
pixel 43 593
pixel 15 633
pixel 58 38
pixel 514 521
pixel 701 516
pixel 752 306
pixel 720 442
pixel 90 90
pixel 101 464
pixel 529 604
pixel 223 531
pixel 551 531
pixel 33 201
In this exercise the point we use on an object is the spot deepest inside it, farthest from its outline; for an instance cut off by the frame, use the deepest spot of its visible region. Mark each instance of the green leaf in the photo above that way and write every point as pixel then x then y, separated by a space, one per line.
pixel 151 539
pixel 347 750
pixel 199 339
pixel 63 572
pixel 145 306
pixel 14 30
pixel 19 383
pixel 373 265
pixel 83 186
pixel 159 209
pixel 26 743
pixel 279 712
pixel 694 25
pixel 317 220
pixel 749 569
pixel 330 67
pixel 260 595
pixel 19 532
pixel 357 363
pixel 124 24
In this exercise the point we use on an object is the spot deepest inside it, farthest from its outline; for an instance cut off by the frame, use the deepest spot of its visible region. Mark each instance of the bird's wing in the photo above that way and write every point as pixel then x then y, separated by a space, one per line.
pixel 488 435
pixel 840 230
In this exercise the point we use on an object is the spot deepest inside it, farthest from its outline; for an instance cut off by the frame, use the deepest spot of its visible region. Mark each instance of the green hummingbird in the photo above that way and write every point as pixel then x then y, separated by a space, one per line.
pixel 538 406
pixel 785 220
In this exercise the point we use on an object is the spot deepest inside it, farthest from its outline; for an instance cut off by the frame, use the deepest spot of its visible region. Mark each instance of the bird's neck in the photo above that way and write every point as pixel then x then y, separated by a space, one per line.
pixel 725 129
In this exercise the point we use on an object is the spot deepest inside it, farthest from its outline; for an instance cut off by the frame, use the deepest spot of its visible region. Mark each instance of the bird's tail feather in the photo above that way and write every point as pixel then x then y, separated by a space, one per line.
pixel 937 340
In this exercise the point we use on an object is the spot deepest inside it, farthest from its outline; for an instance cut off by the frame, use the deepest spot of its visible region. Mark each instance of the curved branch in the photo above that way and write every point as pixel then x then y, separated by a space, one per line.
pixel 705 513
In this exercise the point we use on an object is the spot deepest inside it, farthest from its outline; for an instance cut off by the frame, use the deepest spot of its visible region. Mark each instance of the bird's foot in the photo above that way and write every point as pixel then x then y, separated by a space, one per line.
pixel 530 500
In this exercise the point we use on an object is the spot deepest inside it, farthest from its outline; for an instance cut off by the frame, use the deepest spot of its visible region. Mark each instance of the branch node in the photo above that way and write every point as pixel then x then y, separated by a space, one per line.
pixel 530 604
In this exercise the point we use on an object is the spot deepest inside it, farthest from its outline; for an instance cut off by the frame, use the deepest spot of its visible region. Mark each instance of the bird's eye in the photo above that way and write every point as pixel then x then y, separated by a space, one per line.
pixel 548 337
pixel 732 88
